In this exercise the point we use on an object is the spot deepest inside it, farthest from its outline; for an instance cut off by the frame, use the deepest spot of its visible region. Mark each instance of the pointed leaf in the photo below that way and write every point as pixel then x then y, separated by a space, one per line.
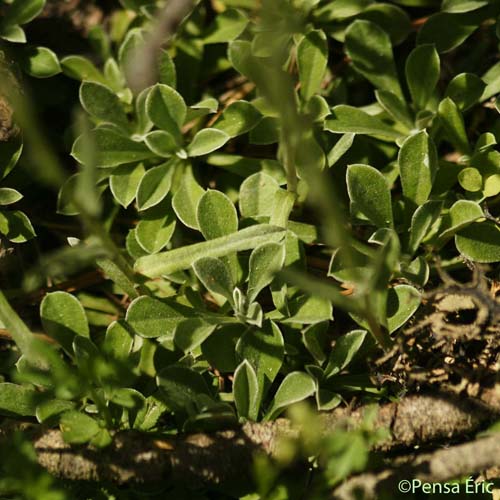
pixel 154 186
pixel 215 276
pixel 156 227
pixel 417 166
pixel 161 143
pixel 422 221
pixel 9 196
pixel 373 60
pixel 238 118
pixel 246 391
pixel 191 333
pixel 124 182
pixel 257 194
pixel 422 74
pixel 226 26
pixel 347 119
pixel 296 386
pixel 216 215
pixel 186 199
pixel 103 104
pixel 369 192
pixel 112 149
pixel 265 261
pixel 180 387
pixel 206 141
pixel 63 318
pixel 453 123
pixel 152 318
pixel 480 242
pixel 166 108
pixel 16 226
pixel 344 350
pixel 312 58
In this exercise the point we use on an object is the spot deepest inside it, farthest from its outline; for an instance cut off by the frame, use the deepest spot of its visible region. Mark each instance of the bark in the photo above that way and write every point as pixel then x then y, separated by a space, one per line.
pixel 440 466
pixel 224 458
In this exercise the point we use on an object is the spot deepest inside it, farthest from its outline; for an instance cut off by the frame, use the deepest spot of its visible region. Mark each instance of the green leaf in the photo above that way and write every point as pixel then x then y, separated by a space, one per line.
pixel 296 386
pixel 422 74
pixel 22 11
pixel 161 143
pixel 459 6
pixel 13 33
pixel 63 318
pixel 312 58
pixel 9 196
pixel 156 227
pixel 462 213
pixel 151 318
pixel 257 194
pixel 465 90
pixel 80 68
pixel 18 401
pixel 39 62
pixel 154 186
pixel 402 303
pixel 166 69
pixel 265 261
pixel 182 258
pixel 392 19
pixel 186 199
pixel 307 309
pixel 418 162
pixel 206 141
pixel 10 151
pixel 238 118
pixel 480 242
pixel 396 108
pixel 166 109
pixel 337 10
pixel 112 149
pixel 52 409
pixel 241 58
pixel 344 350
pixel 246 391
pixel 264 349
pixel 341 147
pixel 453 123
pixel 347 119
pixel 316 340
pixel 422 221
pixel 180 387
pixel 124 182
pixel 16 226
pixel 103 104
pixel 267 131
pixel 369 192
pixel 143 122
pixel 78 428
pixel 373 60
pixel 226 26
pixel 447 31
pixel 191 333
pixel 215 276
pixel 491 185
pixel 220 348
pixel 471 179
pixel 118 341
pixel 216 215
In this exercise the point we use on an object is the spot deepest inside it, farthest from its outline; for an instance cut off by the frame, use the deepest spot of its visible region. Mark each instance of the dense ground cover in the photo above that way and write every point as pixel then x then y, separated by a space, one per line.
pixel 249 249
